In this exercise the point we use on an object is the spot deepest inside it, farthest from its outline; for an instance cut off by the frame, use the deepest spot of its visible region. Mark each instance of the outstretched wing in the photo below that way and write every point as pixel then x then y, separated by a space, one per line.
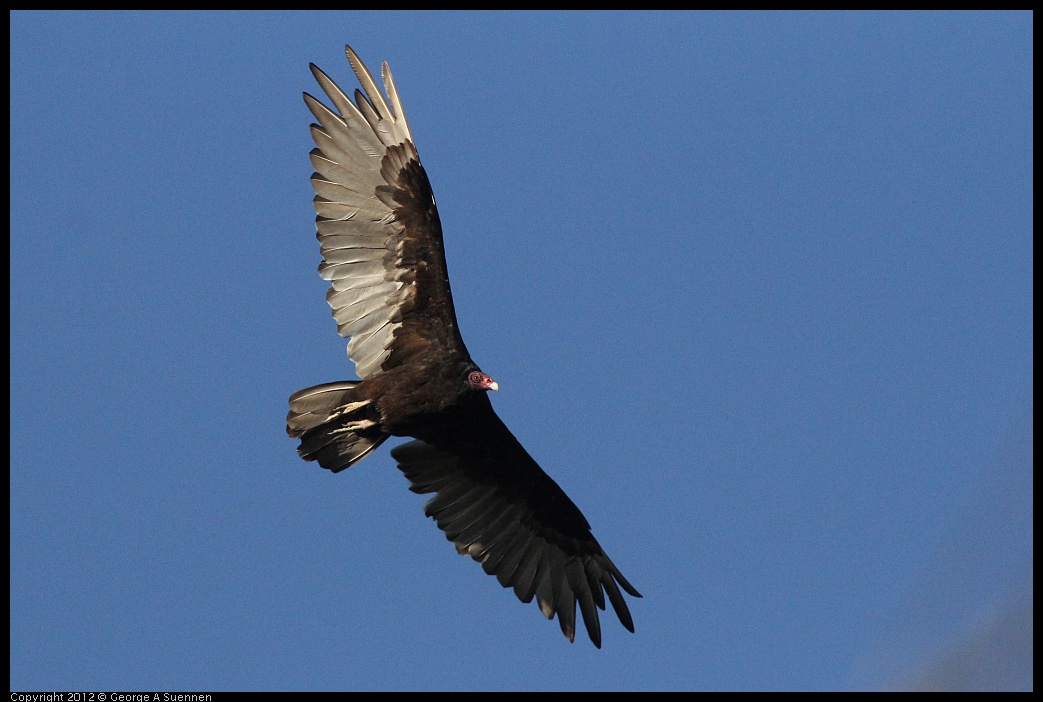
pixel 498 506
pixel 378 228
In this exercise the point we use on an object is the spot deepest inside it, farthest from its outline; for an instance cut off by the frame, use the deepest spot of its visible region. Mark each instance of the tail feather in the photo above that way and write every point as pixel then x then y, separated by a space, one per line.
pixel 333 425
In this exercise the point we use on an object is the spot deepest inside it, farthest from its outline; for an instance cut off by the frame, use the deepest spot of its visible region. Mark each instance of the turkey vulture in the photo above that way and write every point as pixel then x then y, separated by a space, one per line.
pixel 381 244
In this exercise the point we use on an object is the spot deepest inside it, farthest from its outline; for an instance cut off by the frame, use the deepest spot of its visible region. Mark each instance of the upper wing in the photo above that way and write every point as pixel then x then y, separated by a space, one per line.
pixel 378 227
pixel 496 505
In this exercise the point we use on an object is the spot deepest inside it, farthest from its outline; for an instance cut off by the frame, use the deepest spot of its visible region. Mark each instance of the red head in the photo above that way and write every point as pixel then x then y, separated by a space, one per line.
pixel 480 381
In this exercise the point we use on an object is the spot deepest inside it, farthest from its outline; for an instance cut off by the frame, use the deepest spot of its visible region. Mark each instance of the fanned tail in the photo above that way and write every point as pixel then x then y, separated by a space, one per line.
pixel 334 426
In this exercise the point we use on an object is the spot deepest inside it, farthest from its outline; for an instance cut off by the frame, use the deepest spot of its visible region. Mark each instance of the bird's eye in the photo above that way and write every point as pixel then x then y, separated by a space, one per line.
pixel 475 378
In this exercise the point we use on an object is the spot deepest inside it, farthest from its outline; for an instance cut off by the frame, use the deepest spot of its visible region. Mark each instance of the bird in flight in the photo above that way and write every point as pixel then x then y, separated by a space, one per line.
pixel 381 244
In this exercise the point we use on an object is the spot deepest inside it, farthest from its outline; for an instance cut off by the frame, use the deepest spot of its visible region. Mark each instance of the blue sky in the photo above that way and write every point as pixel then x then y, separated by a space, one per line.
pixel 756 289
